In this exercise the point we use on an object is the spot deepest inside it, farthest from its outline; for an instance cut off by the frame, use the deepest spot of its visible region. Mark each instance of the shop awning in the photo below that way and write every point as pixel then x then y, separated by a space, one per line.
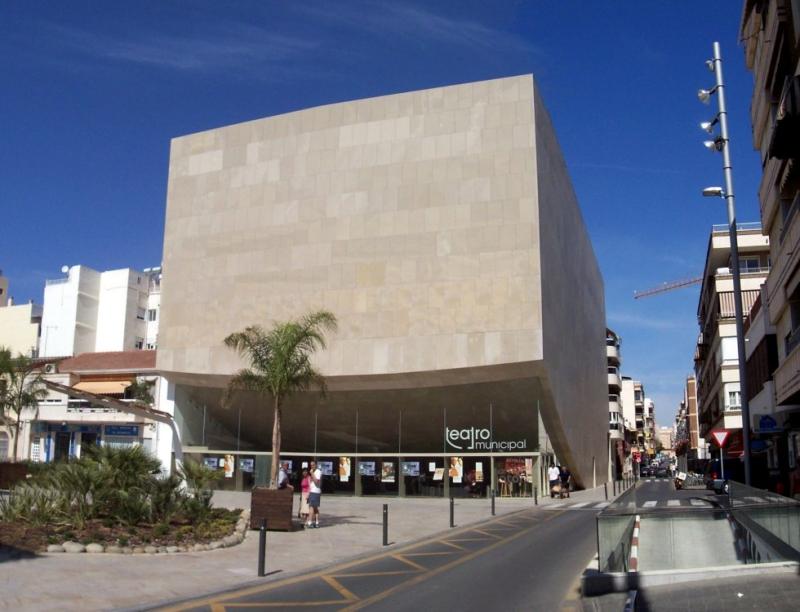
pixel 104 387
pixel 727 305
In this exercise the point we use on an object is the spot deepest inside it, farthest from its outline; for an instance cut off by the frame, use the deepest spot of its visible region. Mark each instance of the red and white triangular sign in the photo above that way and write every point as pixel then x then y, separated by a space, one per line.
pixel 720 436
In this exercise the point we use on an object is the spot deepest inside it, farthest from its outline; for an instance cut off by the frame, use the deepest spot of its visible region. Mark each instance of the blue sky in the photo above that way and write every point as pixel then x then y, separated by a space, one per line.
pixel 93 92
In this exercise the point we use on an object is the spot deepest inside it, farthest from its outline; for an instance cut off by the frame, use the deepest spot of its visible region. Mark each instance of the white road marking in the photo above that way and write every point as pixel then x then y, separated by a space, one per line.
pixel 673 502
pixel 579 505
pixel 649 504
pixel 698 502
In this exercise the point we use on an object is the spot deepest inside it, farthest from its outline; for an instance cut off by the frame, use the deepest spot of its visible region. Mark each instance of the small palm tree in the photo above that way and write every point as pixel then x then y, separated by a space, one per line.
pixel 20 388
pixel 280 364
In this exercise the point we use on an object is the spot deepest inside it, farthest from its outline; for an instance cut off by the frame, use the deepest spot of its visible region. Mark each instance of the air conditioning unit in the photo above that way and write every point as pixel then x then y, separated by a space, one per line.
pixel 50 368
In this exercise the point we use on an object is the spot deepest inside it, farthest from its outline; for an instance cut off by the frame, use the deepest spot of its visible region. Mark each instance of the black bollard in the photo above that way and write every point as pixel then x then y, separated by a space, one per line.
pixel 492 502
pixel 262 547
pixel 605 488
pixel 386 524
pixel 535 495
pixel 452 513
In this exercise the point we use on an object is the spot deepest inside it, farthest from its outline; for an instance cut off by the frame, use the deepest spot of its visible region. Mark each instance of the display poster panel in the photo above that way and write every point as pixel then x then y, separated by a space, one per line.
pixel 366 468
pixel 411 468
pixel 326 467
pixel 212 462
pixel 228 466
pixel 431 466
pixel 387 471
pixel 247 465
pixel 438 474
pixel 479 471
pixel 344 469
pixel 456 471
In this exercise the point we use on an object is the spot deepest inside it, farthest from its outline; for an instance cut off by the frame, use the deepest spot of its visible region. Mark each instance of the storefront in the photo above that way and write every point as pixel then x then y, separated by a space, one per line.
pixel 60 441
pixel 448 441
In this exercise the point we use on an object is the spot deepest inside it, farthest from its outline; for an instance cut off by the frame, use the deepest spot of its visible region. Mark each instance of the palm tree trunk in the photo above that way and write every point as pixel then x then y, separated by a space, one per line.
pixel 16 440
pixel 276 445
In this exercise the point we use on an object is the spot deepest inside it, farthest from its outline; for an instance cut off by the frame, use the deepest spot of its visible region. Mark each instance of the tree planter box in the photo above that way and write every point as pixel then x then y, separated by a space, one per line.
pixel 11 474
pixel 275 505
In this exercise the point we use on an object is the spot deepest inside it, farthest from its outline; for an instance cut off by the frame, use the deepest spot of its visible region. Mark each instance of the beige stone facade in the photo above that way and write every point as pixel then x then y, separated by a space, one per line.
pixel 439 226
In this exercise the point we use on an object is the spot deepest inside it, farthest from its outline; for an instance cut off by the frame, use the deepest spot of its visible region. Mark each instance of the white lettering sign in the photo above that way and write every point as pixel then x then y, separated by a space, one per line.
pixel 479 439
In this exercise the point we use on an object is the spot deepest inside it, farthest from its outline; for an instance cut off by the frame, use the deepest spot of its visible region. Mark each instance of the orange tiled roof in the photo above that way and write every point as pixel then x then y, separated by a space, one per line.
pixel 130 361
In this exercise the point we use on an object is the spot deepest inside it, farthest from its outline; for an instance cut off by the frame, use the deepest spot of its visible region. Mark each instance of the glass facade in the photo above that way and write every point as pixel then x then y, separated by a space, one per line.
pixel 429 442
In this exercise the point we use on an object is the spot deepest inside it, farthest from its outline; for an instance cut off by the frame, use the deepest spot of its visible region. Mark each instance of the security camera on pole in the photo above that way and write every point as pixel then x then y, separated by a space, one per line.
pixel 722 144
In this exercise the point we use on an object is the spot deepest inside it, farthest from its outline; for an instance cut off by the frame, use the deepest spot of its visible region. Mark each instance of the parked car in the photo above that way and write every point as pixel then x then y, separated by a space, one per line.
pixel 713 476
pixel 662 472
pixel 644 472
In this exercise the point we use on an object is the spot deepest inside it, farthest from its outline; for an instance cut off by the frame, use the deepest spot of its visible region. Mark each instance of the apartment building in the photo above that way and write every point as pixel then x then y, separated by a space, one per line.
pixel 89 311
pixel 19 323
pixel 770 34
pixel 716 354
pixel 621 431
pixel 63 426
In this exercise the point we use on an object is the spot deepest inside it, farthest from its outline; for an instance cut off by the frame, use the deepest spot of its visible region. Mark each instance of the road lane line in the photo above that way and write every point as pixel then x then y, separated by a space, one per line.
pixel 416 566
pixel 649 504
pixel 673 502
pixel 579 505
pixel 434 572
pixel 340 588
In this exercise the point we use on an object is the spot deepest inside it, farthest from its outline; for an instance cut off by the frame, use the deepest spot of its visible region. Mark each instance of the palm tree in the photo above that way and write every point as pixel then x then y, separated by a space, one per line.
pixel 280 364
pixel 20 388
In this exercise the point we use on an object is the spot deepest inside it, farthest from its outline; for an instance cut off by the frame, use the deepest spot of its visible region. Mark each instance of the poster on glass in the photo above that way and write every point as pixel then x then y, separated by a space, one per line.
pixel 247 465
pixel 456 469
pixel 366 468
pixel 387 471
pixel 344 469
pixel 326 467
pixel 410 468
pixel 228 466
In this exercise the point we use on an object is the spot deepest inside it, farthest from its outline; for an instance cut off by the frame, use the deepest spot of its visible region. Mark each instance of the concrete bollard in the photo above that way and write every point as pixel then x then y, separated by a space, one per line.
pixel 262 548
pixel 605 488
pixel 452 513
pixel 386 524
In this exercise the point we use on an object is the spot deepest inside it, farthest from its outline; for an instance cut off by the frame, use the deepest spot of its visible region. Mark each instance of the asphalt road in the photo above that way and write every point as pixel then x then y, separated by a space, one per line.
pixel 658 492
pixel 532 572
pixel 529 560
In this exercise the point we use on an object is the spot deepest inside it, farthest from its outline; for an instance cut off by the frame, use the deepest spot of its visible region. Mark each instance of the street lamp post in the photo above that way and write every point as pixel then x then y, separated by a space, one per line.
pixel 722 144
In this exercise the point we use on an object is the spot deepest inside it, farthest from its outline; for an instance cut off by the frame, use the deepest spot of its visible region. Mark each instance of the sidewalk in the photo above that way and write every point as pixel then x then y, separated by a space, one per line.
pixel 351 526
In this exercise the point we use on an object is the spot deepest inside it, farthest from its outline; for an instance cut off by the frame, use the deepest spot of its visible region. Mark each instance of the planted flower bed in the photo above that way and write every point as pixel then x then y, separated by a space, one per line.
pixel 115 500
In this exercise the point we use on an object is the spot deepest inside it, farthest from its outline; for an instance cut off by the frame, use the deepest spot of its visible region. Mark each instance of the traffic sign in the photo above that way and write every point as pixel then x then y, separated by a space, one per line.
pixel 720 436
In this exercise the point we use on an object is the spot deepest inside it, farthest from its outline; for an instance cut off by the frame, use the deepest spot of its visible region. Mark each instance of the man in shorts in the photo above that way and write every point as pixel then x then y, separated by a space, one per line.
pixel 314 494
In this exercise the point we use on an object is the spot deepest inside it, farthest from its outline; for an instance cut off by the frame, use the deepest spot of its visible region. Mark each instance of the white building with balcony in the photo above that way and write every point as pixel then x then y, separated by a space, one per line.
pixel 716 357
pixel 89 311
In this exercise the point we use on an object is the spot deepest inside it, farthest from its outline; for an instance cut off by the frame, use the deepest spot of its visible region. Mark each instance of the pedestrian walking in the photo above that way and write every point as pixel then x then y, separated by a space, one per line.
pixel 283 477
pixel 565 477
pixel 305 487
pixel 554 476
pixel 314 494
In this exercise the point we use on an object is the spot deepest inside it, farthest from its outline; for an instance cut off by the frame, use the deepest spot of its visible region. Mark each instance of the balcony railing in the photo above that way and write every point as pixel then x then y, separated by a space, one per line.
pixel 56 281
pixel 791 341
pixel 753 225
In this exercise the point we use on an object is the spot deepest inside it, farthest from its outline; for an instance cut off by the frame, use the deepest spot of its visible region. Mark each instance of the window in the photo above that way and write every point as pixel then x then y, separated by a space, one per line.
pixel 729 349
pixel 749 264
pixel 613 370
pixel 733 397
pixel 140 312
pixel 152 314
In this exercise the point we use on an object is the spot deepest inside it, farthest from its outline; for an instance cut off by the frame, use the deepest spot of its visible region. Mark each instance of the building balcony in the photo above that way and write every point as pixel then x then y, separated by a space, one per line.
pixel 614 380
pixel 787 378
pixel 612 353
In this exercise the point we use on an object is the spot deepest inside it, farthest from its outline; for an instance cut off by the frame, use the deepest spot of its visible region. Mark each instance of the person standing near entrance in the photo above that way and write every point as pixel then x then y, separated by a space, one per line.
pixel 553 475
pixel 314 494
pixel 566 476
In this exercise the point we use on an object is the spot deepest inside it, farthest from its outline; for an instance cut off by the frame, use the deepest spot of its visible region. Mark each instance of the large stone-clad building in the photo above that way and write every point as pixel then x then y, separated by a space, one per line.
pixel 441 228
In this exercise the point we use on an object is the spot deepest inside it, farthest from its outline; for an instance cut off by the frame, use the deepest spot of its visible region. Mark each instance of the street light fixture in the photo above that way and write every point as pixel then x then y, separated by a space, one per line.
pixel 722 144
pixel 713 192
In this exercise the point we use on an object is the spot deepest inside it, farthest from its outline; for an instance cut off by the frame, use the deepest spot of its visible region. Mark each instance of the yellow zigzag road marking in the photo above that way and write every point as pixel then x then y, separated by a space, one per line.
pixel 349 595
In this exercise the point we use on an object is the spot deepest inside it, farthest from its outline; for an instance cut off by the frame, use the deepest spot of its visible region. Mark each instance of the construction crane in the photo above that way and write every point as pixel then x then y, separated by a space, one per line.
pixel 667 286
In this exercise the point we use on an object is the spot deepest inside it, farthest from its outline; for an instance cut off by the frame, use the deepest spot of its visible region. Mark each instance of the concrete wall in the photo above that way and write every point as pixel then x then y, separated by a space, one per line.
pixel 573 317
pixel 19 327
pixel 412 217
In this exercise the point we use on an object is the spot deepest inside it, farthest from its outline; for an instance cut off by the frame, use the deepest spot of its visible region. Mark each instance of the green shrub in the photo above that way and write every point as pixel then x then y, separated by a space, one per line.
pixel 160 530
pixel 122 541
